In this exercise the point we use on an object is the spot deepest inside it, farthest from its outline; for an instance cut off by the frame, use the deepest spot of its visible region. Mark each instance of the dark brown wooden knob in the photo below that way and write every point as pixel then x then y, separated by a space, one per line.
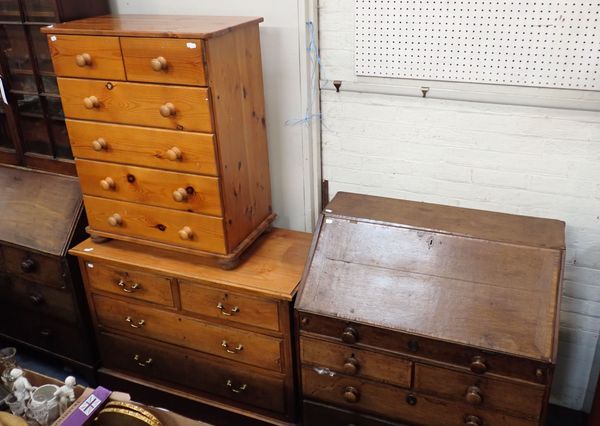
pixel 91 102
pixel 28 265
pixel 180 195
pixel 474 395
pixel 99 144
pixel 174 154
pixel 350 335
pixel 159 63
pixel 115 220
pixel 83 60
pixel 186 233
pixel 473 421
pixel 351 366
pixel 107 183
pixel 351 394
pixel 167 110
pixel 478 365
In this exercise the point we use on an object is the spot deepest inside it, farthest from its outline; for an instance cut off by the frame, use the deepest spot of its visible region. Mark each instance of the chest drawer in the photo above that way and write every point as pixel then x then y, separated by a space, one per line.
pixel 35 267
pixel 142 146
pixel 171 107
pixel 227 342
pixel 517 397
pixel 192 193
pixel 228 306
pixel 356 362
pixel 316 414
pixel 130 284
pixel 162 60
pixel 158 224
pixel 86 56
pixel 182 368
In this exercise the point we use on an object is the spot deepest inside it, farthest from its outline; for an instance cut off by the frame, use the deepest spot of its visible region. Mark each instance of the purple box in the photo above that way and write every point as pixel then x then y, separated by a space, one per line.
pixel 86 409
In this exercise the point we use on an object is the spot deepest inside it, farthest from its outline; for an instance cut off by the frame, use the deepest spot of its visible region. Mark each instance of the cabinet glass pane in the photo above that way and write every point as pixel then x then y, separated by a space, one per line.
pixel 39 10
pixel 60 136
pixel 41 52
pixel 13 43
pixel 5 140
pixel 33 125
pixel 9 10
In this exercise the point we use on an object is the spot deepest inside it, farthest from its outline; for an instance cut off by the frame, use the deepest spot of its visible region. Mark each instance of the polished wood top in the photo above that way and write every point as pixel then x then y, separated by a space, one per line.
pixel 171 26
pixel 271 267
pixel 473 290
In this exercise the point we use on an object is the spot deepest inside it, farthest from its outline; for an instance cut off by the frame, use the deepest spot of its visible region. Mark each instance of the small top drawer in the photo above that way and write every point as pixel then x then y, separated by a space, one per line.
pixel 86 56
pixel 160 60
pixel 35 267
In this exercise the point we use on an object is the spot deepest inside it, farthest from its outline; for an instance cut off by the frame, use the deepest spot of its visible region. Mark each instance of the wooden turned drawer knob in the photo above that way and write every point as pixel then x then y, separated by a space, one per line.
pixel 107 183
pixel 115 220
pixel 159 63
pixel 180 195
pixel 99 144
pixel 174 154
pixel 350 335
pixel 186 233
pixel 474 395
pixel 351 366
pixel 351 394
pixel 83 60
pixel 167 109
pixel 91 102
pixel 473 421
pixel 478 365
pixel 28 265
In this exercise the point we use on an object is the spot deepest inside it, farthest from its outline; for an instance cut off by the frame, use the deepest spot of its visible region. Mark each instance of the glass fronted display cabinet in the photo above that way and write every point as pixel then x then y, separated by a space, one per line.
pixel 32 126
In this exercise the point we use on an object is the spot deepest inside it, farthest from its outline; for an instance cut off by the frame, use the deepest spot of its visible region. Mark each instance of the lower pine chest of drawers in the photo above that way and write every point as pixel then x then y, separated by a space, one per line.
pixel 220 338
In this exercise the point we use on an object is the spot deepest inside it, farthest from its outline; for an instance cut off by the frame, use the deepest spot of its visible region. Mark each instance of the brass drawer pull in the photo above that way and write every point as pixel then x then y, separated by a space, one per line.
pixel 351 394
pixel 36 298
pixel 474 395
pixel 239 389
pixel 83 60
pixel 159 63
pixel 235 350
pixel 144 364
pixel 231 312
pixel 471 420
pixel 28 265
pixel 133 324
pixel 478 365
pixel 128 289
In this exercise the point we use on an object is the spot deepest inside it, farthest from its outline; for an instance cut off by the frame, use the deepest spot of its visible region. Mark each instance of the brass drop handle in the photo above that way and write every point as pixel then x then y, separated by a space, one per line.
pixel 128 289
pixel 349 335
pixel 186 233
pixel 239 389
pixel 231 312
pixel 28 265
pixel 107 183
pixel 134 324
pixel 474 395
pixel 159 63
pixel 180 195
pixel 99 144
pixel 478 365
pixel 91 102
pixel 144 364
pixel 36 299
pixel 167 109
pixel 235 350
pixel 83 60
pixel 174 154
pixel 471 420
pixel 115 220
pixel 351 394
pixel 351 365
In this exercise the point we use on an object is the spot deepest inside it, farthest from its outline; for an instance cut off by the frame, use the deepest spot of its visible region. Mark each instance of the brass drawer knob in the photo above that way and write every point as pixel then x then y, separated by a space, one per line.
pixel 159 63
pixel 474 395
pixel 83 60
pixel 99 144
pixel 107 183
pixel 174 154
pixel 351 394
pixel 186 233
pixel 235 350
pixel 231 312
pixel 167 109
pixel 349 335
pixel 128 286
pixel 28 265
pixel 135 324
pixel 91 102
pixel 478 365
pixel 115 220
pixel 238 389
pixel 180 195
pixel 351 366
pixel 145 363
pixel 471 420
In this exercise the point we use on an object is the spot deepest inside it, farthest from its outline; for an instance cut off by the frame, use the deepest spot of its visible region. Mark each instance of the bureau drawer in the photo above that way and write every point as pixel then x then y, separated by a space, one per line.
pixel 315 414
pixel 157 224
pixel 397 404
pixel 516 397
pixel 164 60
pixel 352 361
pixel 171 107
pixel 179 191
pixel 35 267
pixel 142 146
pixel 228 306
pixel 227 342
pixel 183 368
pixel 86 56
pixel 130 284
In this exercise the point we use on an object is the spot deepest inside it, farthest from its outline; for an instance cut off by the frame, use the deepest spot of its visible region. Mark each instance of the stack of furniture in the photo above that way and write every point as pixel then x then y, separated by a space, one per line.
pixel 425 314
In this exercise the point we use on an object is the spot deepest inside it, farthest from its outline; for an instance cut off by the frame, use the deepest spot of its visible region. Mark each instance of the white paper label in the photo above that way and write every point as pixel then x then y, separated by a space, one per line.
pixel 191 45
pixel 52 38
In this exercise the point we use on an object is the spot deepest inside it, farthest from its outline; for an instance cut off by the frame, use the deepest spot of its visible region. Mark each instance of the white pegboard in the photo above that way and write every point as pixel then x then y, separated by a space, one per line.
pixel 543 43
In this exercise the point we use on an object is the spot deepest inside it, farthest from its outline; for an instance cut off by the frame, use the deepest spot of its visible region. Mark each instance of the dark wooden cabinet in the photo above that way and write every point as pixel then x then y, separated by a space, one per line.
pixel 32 125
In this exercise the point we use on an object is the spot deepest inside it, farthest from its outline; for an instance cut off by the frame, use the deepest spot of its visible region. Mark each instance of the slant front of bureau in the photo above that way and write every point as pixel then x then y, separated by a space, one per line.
pixel 166 120
pixel 431 315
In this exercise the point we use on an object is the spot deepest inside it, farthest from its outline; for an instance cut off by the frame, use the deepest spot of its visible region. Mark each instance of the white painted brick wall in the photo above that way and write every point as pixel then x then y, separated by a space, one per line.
pixel 524 160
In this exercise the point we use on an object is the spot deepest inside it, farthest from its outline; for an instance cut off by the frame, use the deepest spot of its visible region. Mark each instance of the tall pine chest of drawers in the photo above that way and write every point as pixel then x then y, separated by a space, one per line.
pixel 414 313
pixel 166 120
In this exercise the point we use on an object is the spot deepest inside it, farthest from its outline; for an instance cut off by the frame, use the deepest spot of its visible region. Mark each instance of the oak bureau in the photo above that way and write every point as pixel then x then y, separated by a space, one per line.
pixel 166 120
pixel 416 313
pixel 194 331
